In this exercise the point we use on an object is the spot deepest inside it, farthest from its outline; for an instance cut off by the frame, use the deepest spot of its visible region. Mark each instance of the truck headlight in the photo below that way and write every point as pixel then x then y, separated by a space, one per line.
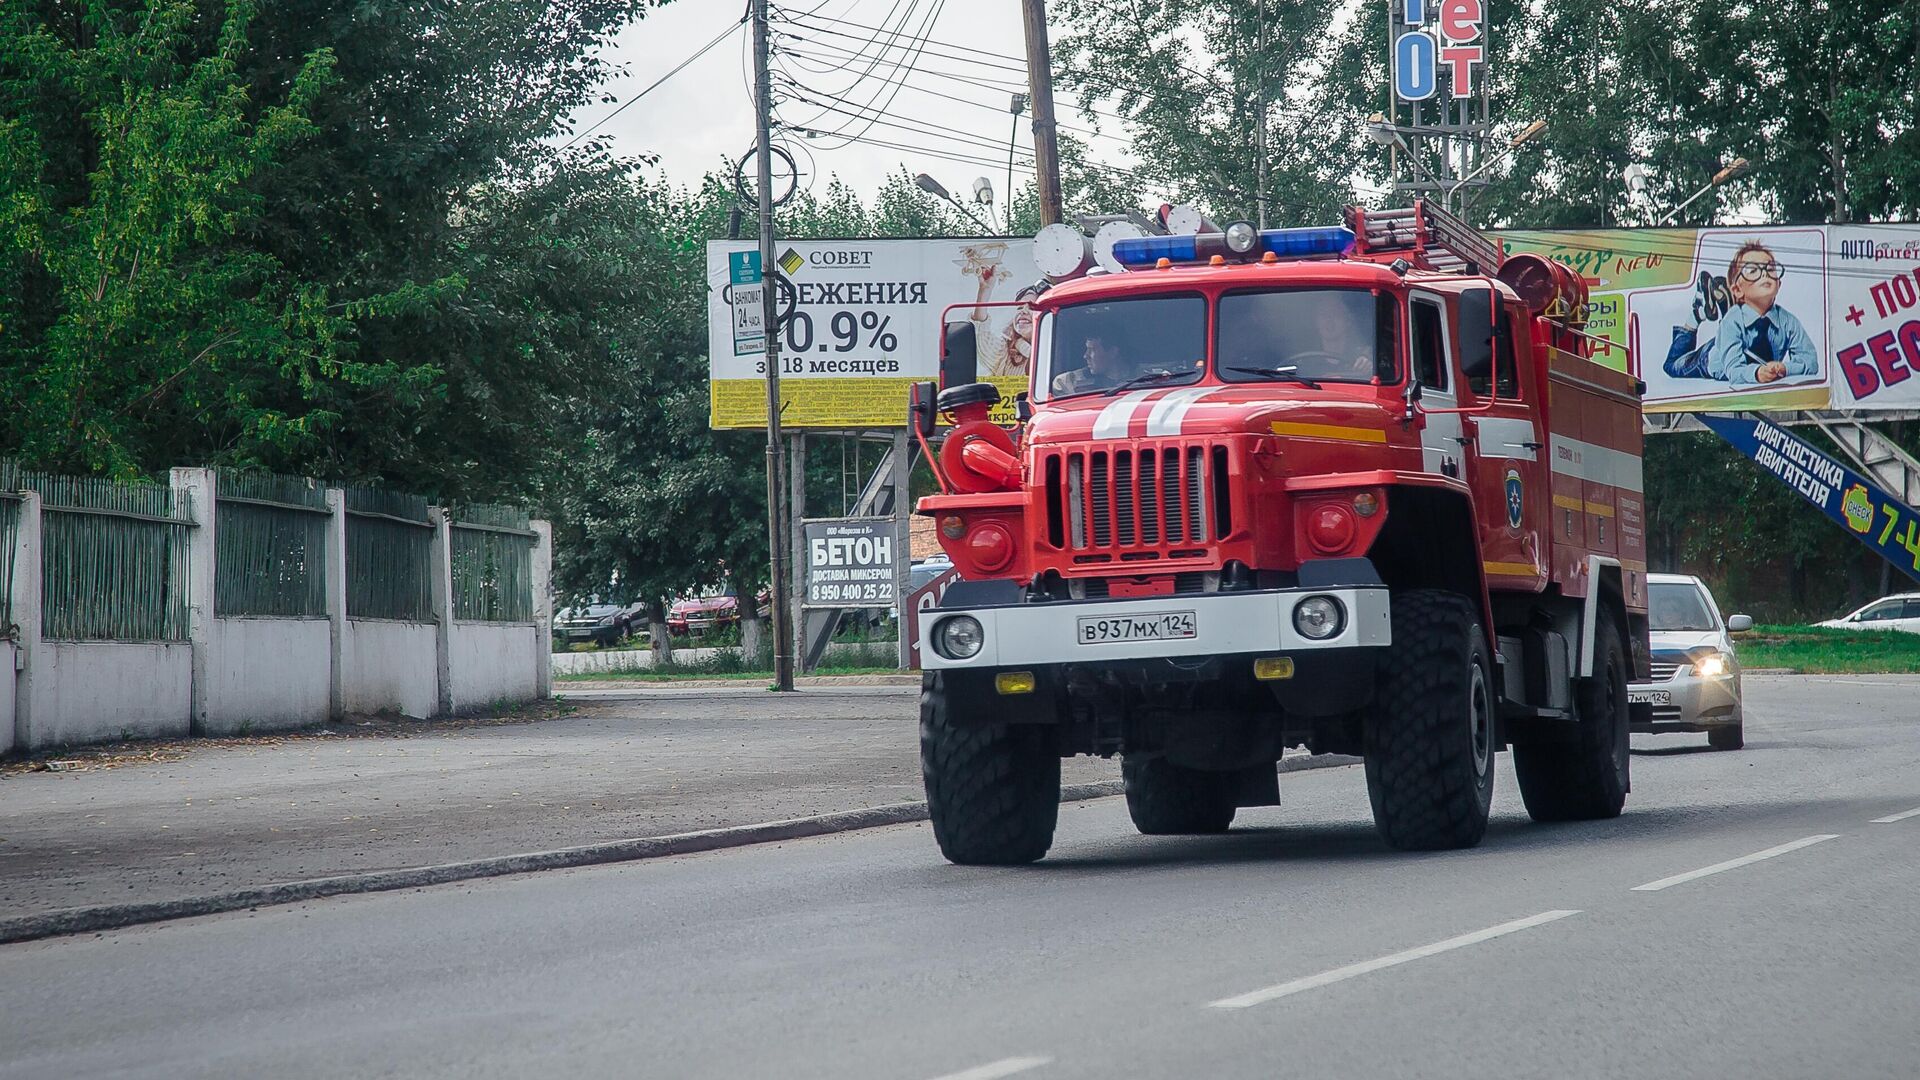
pixel 959 638
pixel 1319 618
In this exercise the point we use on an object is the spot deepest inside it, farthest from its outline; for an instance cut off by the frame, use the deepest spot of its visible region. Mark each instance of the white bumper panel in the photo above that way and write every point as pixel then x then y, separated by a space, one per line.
pixel 1224 624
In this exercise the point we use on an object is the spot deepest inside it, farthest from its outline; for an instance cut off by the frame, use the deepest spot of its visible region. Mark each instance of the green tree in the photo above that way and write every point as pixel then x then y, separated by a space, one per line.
pixel 1193 113
pixel 131 307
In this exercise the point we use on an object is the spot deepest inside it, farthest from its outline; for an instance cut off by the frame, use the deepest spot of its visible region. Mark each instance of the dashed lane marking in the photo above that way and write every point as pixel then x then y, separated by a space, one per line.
pixel 1901 816
pixel 1314 982
pixel 1733 864
pixel 994 1070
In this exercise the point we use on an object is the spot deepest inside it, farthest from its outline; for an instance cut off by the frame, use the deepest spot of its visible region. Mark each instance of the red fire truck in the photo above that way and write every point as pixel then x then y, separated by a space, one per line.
pixel 1360 489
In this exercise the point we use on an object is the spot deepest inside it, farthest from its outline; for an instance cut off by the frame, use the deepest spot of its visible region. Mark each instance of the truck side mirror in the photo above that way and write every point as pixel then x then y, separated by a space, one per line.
pixel 1022 407
pixel 959 355
pixel 1476 333
pixel 921 412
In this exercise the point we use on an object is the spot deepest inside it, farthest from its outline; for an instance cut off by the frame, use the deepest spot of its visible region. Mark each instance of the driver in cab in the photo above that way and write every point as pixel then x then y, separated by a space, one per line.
pixel 1104 369
pixel 1345 351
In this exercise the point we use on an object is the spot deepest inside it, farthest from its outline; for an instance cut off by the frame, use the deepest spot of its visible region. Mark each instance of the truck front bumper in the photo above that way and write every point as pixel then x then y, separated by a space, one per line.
pixel 1254 622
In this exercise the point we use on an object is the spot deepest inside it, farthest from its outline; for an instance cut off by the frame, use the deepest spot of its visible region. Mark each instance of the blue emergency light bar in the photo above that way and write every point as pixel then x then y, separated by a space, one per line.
pixel 1283 243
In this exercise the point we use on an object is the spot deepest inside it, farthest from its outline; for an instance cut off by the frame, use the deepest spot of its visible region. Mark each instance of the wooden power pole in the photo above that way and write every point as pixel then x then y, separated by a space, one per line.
pixel 770 321
pixel 1046 147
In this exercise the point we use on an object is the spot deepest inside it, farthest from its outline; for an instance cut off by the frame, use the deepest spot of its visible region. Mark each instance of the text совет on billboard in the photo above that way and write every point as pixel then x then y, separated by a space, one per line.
pixel 865 323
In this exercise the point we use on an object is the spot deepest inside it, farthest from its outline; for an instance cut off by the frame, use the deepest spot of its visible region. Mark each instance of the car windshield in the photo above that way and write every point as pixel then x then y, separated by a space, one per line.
pixel 1679 607
pixel 1326 335
pixel 1095 347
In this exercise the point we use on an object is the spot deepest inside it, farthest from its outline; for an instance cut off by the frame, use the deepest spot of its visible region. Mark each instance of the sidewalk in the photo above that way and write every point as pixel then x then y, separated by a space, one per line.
pixel 202 818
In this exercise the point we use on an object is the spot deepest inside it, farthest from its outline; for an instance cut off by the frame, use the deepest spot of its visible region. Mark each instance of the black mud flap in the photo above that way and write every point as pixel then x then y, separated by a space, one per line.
pixel 1259 786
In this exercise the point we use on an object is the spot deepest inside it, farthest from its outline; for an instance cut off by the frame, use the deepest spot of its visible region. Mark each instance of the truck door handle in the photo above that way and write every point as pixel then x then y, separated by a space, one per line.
pixel 1533 445
pixel 1463 440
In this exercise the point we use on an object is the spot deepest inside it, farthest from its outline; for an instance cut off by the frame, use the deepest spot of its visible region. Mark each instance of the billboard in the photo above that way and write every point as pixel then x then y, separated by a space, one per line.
pixel 865 323
pixel 849 562
pixel 1767 318
pixel 1869 514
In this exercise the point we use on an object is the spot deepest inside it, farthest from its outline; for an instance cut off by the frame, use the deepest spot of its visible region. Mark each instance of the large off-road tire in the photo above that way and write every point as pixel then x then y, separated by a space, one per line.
pixel 1429 737
pixel 1165 799
pixel 993 790
pixel 1731 737
pixel 1586 776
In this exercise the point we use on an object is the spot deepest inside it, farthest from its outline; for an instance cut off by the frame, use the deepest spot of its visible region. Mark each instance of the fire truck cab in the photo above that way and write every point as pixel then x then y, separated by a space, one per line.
pixel 1357 489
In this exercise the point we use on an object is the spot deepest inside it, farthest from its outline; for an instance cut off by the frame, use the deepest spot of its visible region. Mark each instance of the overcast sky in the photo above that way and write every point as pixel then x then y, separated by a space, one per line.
pixel 705 112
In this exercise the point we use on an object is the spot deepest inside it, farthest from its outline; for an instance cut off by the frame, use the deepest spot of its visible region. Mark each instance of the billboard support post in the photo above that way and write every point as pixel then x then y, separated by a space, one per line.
pixel 763 189
pixel 902 538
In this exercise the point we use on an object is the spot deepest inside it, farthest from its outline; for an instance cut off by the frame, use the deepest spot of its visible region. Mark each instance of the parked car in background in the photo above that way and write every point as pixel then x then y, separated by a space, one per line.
pixel 712 611
pixel 926 570
pixel 602 624
pixel 1900 612
pixel 1696 677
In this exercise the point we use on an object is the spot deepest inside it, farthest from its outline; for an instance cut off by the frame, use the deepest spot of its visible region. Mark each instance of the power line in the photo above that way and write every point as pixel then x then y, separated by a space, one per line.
pixel 890 84
pixel 682 66
pixel 996 109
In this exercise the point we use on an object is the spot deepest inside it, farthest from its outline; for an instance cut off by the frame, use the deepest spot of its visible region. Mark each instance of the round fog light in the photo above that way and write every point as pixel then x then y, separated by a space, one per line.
pixel 959 638
pixel 1318 618
pixel 1241 236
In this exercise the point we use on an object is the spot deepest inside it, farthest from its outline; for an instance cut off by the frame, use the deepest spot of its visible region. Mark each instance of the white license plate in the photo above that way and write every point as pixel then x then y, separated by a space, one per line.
pixel 1170 626
pixel 1650 697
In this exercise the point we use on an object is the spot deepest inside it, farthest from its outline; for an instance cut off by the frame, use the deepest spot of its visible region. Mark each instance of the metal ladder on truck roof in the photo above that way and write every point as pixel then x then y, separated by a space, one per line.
pixel 1428 236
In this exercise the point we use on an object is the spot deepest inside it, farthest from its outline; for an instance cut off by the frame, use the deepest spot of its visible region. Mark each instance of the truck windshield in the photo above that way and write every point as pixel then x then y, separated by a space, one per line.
pixel 1089 348
pixel 1325 335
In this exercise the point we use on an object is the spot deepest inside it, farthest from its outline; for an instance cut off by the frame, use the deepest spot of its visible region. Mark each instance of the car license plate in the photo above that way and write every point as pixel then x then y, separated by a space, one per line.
pixel 1169 626
pixel 1650 697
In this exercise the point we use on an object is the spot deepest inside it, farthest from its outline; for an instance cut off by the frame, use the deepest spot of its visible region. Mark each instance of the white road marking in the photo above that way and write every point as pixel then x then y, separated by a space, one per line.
pixel 1733 864
pixel 1314 982
pixel 1901 816
pixel 994 1070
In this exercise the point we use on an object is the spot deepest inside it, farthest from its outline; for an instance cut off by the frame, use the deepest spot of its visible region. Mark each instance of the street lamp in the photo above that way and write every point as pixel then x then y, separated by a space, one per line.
pixel 983 194
pixel 1385 133
pixel 1737 169
pixel 933 187
pixel 1529 132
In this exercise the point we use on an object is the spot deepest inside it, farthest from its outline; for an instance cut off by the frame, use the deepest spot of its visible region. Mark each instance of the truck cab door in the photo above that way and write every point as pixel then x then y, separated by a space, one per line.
pixel 1431 354
pixel 1505 444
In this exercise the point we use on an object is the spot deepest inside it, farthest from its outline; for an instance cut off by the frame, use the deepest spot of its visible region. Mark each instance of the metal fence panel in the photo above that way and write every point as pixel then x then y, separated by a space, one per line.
pixel 492 564
pixel 270 546
pixel 113 558
pixel 9 535
pixel 389 556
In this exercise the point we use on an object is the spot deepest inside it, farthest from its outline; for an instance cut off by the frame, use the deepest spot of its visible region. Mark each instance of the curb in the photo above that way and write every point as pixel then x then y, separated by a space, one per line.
pixel 86 920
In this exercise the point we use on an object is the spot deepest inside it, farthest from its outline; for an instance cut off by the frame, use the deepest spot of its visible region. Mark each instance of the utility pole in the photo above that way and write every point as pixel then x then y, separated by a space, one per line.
pixel 770 320
pixel 1046 148
pixel 1260 115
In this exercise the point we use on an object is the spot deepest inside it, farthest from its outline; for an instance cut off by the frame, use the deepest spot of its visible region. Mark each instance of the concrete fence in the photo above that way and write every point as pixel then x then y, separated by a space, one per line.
pixel 233 672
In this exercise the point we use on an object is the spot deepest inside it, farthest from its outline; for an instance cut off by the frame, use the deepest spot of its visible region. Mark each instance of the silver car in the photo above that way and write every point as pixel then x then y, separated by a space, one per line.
pixel 1696 677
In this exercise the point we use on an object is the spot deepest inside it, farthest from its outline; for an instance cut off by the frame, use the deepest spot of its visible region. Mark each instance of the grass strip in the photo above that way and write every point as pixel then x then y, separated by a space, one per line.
pixel 1818 650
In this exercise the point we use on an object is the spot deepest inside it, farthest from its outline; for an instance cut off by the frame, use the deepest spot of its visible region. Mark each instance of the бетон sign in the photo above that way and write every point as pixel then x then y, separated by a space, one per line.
pixel 850 562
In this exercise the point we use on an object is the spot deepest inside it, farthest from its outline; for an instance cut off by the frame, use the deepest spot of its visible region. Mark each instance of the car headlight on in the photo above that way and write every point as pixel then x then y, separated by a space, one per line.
pixel 959 638
pixel 1319 618
pixel 1711 665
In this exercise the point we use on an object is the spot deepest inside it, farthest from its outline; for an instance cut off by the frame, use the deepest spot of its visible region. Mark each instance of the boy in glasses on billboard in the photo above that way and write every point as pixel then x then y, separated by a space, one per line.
pixel 1759 341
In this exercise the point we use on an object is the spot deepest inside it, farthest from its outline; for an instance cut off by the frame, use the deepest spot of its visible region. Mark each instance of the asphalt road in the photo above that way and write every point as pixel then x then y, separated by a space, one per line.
pixel 1298 945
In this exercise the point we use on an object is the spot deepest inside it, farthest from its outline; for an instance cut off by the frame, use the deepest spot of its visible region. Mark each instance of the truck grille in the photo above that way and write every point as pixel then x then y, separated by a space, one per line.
pixel 1143 503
